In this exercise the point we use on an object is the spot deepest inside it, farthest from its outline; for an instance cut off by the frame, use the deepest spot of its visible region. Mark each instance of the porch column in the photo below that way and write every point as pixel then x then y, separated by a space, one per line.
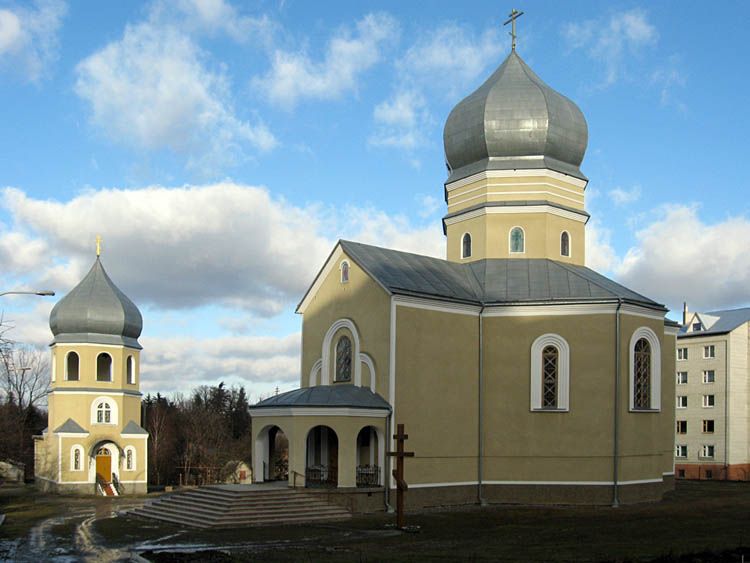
pixel 347 455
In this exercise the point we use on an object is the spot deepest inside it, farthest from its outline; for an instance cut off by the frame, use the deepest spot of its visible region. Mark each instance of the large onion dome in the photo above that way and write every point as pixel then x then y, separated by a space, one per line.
pixel 96 311
pixel 514 121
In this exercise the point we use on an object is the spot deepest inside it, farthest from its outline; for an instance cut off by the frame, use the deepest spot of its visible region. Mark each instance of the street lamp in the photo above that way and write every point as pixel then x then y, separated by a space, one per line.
pixel 41 292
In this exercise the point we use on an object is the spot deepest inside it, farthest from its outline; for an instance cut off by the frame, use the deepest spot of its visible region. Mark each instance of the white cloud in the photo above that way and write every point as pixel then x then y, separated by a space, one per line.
pixel 153 89
pixel 29 40
pixel 294 76
pixel 682 258
pixel 624 197
pixel 611 40
pixel 400 121
pixel 222 244
pixel 600 255
pixel 667 79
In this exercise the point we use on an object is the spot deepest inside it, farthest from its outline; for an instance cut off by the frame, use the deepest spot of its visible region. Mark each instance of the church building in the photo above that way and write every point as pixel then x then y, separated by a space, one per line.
pixel 520 374
pixel 94 443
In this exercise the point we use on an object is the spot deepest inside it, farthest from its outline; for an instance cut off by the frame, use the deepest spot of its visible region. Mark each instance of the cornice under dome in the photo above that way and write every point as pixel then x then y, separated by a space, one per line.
pixel 515 121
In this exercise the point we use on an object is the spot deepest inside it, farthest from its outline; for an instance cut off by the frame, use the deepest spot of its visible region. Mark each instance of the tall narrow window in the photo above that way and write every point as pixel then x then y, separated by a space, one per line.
pixel 549 377
pixel 344 359
pixel 130 367
pixel 104 413
pixel 76 458
pixel 466 246
pixel 564 244
pixel 344 271
pixel 104 367
pixel 129 459
pixel 516 240
pixel 71 366
pixel 642 369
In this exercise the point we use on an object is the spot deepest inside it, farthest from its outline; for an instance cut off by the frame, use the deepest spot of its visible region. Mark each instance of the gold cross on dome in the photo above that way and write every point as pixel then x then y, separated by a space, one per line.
pixel 512 17
pixel 98 245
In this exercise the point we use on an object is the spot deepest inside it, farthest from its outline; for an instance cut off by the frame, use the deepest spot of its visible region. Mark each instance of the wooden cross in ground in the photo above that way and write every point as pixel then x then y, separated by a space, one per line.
pixel 398 473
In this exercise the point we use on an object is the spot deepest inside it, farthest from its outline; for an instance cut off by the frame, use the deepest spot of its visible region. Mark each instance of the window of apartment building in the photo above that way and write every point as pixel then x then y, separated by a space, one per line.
pixel 681 401
pixel 707 450
pixel 708 426
pixel 697 327
pixel 709 401
pixel 682 426
pixel 709 474
pixel 680 450
pixel 709 376
pixel 709 351
pixel 682 354
pixel 682 378
pixel 680 473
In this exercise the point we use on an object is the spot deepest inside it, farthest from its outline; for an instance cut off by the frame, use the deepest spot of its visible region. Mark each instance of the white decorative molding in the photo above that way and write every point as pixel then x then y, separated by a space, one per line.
pixel 315 372
pixel 326 374
pixel 581 217
pixel 563 372
pixel 577 201
pixel 392 382
pixel 318 411
pixel 367 360
pixel 671 330
pixel 577 192
pixel 655 369
pixel 487 174
pixel 542 309
pixel 335 258
pixel 436 305
pixel 113 413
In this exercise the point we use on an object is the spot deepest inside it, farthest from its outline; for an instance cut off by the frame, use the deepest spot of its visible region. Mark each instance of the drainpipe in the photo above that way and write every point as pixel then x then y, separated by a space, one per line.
pixel 616 444
pixel 387 463
pixel 726 406
pixel 480 415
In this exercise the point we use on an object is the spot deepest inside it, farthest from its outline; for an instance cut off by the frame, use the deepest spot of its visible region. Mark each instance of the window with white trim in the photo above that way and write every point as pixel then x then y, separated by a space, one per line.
pixel 72 363
pixel 550 373
pixel 130 370
pixel 682 427
pixel 681 401
pixel 682 353
pixel 517 242
pixel 565 244
pixel 709 351
pixel 76 458
pixel 466 246
pixel 645 370
pixel 708 426
pixel 697 327
pixel 709 376
pixel 707 451
pixel 129 458
pixel 680 450
pixel 709 401
pixel 104 367
pixel 682 377
pixel 344 267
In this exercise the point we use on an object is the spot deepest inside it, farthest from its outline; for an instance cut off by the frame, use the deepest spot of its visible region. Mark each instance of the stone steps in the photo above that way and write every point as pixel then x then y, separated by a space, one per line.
pixel 214 507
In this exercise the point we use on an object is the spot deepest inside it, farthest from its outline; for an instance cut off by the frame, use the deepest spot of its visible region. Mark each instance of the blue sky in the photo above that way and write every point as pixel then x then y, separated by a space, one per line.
pixel 221 148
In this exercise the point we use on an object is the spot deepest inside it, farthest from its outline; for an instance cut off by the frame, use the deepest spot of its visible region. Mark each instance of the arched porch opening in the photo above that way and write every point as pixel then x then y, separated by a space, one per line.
pixel 322 458
pixel 271 455
pixel 104 463
pixel 370 458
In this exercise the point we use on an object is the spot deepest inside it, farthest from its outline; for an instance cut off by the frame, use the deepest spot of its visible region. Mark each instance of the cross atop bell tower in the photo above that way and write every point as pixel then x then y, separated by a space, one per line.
pixel 512 17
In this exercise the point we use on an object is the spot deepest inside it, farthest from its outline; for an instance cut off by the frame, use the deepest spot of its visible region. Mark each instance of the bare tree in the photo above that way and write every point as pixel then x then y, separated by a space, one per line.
pixel 24 376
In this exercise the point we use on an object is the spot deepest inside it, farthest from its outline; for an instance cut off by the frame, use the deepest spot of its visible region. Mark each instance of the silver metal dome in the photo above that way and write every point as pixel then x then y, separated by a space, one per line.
pixel 514 121
pixel 96 311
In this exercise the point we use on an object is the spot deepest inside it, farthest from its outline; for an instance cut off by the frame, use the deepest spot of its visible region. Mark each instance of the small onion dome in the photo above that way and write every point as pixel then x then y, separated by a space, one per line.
pixel 514 121
pixel 96 311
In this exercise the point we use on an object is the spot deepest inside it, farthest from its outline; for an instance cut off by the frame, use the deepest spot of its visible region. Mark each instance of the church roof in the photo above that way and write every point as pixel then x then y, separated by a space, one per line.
pixel 96 311
pixel 321 396
pixel 489 281
pixel 515 121
pixel 70 426
pixel 727 320
pixel 133 428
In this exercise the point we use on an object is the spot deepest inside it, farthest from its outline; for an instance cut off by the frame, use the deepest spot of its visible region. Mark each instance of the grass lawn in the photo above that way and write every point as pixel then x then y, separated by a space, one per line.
pixel 699 517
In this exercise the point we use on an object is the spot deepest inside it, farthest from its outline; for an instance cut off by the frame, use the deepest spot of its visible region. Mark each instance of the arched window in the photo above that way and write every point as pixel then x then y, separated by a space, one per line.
pixel 130 458
pixel 76 458
pixel 517 241
pixel 104 367
pixel 130 368
pixel 103 413
pixel 344 359
pixel 466 246
pixel 71 366
pixel 344 267
pixel 645 371
pixel 550 373
pixel 550 357
pixel 565 244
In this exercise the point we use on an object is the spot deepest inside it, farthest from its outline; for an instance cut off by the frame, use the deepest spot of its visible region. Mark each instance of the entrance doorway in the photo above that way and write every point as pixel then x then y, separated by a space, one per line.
pixel 104 465
pixel 322 458
pixel 271 455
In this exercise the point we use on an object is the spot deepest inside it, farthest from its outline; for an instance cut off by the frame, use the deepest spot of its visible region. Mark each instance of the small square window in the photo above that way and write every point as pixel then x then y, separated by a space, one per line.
pixel 682 377
pixel 680 450
pixel 708 426
pixel 709 401
pixel 681 473
pixel 709 351
pixel 697 327
pixel 682 426
pixel 707 450
pixel 709 376
pixel 682 354
pixel 681 401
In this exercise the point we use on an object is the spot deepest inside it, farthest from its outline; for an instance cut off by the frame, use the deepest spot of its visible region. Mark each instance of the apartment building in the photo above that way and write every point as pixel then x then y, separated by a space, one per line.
pixel 712 410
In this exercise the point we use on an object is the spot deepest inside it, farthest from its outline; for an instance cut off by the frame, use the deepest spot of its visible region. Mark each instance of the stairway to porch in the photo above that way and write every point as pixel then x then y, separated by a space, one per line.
pixel 231 506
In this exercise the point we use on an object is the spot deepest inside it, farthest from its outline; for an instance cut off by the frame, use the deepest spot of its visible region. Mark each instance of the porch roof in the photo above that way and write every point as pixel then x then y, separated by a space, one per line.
pixel 325 396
